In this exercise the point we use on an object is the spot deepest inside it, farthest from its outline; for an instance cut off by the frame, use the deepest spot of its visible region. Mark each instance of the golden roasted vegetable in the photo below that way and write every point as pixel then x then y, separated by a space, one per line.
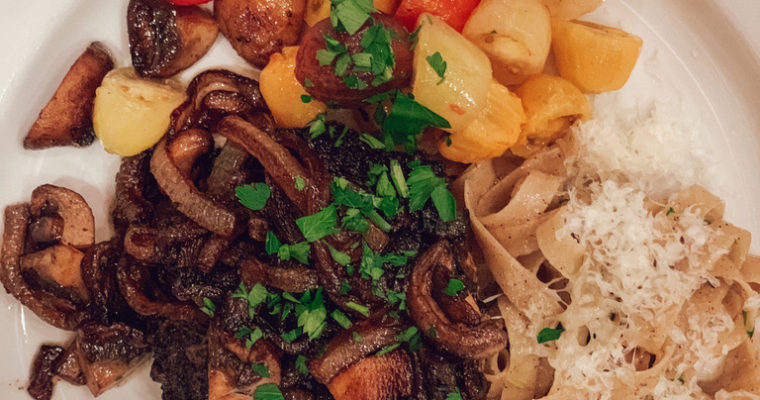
pixel 316 10
pixel 131 114
pixel 515 34
pixel 461 94
pixel 571 9
pixel 595 58
pixel 386 6
pixel 283 93
pixel 496 129
pixel 552 105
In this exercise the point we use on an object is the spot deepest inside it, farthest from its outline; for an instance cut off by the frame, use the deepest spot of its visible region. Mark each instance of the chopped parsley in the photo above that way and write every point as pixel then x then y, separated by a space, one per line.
pixel 354 221
pixel 456 395
pixel 341 319
pixel 308 83
pixel 433 332
pixel 357 337
pixel 372 141
pixel 438 64
pixel 251 335
pixel 268 391
pixel 305 98
pixel 208 307
pixel 550 334
pixel 291 335
pixel 397 176
pixel 340 257
pixel 407 119
pixel 671 210
pixel 253 196
pixel 301 365
pixel 319 225
pixel 387 349
pixel 350 15
pixel 424 185
pixel 299 251
pixel 300 183
pixel 317 127
pixel 261 369
pixel 345 287
pixel 312 313
pixel 455 286
pixel 363 310
pixel 412 336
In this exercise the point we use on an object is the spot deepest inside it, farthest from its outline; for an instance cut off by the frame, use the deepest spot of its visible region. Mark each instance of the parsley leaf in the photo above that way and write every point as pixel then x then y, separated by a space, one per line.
pixel 423 185
pixel 364 310
pixel 340 257
pixel 549 334
pixel 319 225
pixel 300 183
pixel 261 369
pixel 387 349
pixel 439 66
pixel 341 319
pixel 351 15
pixel 301 365
pixel 253 196
pixel 312 314
pixel 299 251
pixel 397 175
pixel 408 118
pixel 433 332
pixel 372 141
pixel 355 221
pixel 444 203
pixel 317 127
pixel 457 395
pixel 291 335
pixel 455 286
pixel 268 391
pixel 253 337
pixel 208 307
pixel 305 98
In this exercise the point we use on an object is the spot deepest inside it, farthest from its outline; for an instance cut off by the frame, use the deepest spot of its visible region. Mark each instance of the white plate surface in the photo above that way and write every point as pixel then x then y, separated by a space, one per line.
pixel 701 56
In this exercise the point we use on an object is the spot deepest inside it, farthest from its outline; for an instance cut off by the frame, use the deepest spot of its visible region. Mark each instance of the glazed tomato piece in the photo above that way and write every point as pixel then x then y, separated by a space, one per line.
pixel 454 12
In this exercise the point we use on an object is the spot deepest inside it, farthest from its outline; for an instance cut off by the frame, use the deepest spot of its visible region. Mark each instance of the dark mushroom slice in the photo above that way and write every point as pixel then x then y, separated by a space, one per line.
pixel 344 351
pixel 57 312
pixel 259 28
pixel 107 354
pixel 282 166
pixel 165 39
pixel 46 230
pixel 130 204
pixel 67 367
pixel 180 360
pixel 230 376
pixel 57 269
pixel 189 200
pixel 383 377
pixel 67 118
pixel 78 222
pixel 41 382
pixel 295 279
pixel 465 341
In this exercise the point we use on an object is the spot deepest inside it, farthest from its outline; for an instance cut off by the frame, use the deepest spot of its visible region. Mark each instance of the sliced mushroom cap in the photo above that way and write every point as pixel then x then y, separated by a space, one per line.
pixel 46 230
pixel 479 341
pixel 57 269
pixel 375 378
pixel 230 376
pixel 41 382
pixel 289 279
pixel 67 117
pixel 78 222
pixel 165 39
pixel 107 354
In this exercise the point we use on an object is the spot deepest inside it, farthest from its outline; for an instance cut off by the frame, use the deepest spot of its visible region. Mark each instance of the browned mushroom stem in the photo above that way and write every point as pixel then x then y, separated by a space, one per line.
pixel 107 354
pixel 40 385
pixel 165 39
pixel 57 312
pixel 131 278
pixel 211 252
pixel 185 147
pixel 456 308
pixel 67 117
pixel 318 186
pixel 257 29
pixel 189 200
pixel 58 270
pixel 130 205
pixel 376 378
pixel 478 341
pixel 46 230
pixel 344 351
pixel 276 159
pixel 289 279
pixel 67 366
pixel 78 222
pixel 229 365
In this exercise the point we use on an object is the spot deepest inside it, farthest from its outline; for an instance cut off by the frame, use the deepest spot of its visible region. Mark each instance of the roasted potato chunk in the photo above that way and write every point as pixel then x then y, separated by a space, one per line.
pixel 259 28
pixel 571 9
pixel 165 39
pixel 67 118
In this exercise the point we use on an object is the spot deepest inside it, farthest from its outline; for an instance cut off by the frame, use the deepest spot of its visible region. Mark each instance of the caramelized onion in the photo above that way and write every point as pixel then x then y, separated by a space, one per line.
pixel 295 279
pixel 478 341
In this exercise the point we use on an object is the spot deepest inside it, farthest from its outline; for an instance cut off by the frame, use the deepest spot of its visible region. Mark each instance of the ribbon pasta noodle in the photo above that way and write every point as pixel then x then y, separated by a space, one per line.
pixel 656 297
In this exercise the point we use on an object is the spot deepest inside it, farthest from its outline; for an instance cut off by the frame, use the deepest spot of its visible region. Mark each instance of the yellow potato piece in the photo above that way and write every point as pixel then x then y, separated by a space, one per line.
pixel 461 94
pixel 552 104
pixel 282 91
pixel 130 113
pixel 515 34
pixel 316 10
pixel 595 58
pixel 571 9
pixel 386 6
pixel 495 130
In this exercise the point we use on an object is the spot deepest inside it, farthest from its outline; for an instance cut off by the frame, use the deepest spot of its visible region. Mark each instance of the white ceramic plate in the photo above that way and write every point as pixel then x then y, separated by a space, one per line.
pixel 703 56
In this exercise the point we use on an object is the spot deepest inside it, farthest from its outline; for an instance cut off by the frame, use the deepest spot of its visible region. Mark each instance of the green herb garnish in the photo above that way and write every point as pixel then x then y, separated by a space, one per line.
pixel 208 307
pixel 261 369
pixel 268 391
pixel 319 225
pixel 438 64
pixel 253 196
pixel 364 310
pixel 454 287
pixel 550 334
pixel 341 319
pixel 456 395
pixel 300 183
